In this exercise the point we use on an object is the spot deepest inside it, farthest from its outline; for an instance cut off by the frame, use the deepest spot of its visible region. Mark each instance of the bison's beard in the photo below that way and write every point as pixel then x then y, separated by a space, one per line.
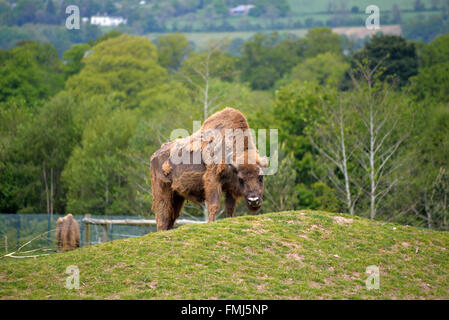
pixel 253 209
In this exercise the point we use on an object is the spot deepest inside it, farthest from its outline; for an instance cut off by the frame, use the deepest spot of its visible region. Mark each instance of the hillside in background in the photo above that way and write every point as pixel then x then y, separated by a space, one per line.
pixel 285 255
pixel 44 20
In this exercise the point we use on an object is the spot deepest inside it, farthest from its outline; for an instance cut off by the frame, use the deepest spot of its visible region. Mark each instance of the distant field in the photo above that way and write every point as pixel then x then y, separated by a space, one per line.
pixel 201 38
pixel 308 6
pixel 303 14
pixel 242 22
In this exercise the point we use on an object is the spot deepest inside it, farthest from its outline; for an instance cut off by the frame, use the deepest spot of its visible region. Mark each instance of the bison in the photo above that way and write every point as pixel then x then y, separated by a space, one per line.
pixel 213 164
pixel 67 233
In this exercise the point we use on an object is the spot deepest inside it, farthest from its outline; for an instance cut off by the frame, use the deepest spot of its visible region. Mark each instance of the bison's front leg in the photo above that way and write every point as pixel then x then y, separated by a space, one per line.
pixel 212 190
pixel 230 205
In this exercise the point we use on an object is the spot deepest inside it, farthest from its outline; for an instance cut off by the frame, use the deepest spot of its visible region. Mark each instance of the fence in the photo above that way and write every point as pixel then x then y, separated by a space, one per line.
pixel 17 229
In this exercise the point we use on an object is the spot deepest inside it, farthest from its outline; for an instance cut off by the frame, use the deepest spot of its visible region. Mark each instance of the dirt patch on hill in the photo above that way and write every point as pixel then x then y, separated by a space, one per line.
pixel 342 220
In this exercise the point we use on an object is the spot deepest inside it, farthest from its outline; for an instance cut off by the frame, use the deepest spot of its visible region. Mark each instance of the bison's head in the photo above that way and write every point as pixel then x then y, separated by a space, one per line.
pixel 250 180
pixel 251 185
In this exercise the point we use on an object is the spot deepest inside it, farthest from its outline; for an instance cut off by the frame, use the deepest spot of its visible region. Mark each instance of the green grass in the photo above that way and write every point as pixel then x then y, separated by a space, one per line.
pixel 286 255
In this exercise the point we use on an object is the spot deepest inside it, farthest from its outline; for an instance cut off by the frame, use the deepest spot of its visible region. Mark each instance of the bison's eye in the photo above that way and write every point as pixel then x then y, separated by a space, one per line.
pixel 242 182
pixel 260 179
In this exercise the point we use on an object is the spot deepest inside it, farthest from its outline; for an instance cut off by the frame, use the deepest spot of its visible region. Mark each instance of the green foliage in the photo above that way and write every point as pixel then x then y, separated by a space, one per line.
pixel 322 40
pixel 436 52
pixel 266 58
pixel 120 67
pixel 58 36
pixel 432 81
pixel 95 174
pixel 48 150
pixel 13 117
pixel 296 110
pixel 219 63
pixel 32 71
pixel 396 57
pixel 35 150
pixel 426 28
pixel 280 189
pixel 123 96
pixel 73 57
pixel 173 49
pixel 108 35
pixel 325 68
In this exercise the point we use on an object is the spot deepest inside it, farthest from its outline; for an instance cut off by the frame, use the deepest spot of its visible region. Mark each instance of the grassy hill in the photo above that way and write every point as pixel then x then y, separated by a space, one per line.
pixel 286 255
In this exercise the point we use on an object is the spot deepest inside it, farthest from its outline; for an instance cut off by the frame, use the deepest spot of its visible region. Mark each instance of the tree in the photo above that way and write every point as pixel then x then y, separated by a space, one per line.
pixel 325 69
pixel 322 40
pixel 119 67
pixel 95 173
pixel 35 152
pixel 200 69
pixel 51 139
pixel 330 137
pixel 173 49
pixel 432 80
pixel 73 59
pixel 280 192
pixel 427 187
pixel 437 202
pixel 396 14
pixel 296 110
pixel 382 127
pixel 265 59
pixel 220 7
pixel 436 52
pixel 398 57
pixel 32 71
pixel 419 6
pixel 14 182
pixel 50 13
pixel 426 28
pixel 25 11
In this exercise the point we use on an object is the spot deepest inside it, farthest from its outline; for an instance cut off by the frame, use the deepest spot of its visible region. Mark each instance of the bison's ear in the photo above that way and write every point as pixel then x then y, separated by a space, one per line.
pixel 233 167
pixel 262 161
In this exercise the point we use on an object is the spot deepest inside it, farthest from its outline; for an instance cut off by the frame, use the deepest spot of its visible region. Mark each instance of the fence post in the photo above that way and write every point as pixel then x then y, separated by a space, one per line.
pixel 48 230
pixel 105 235
pixel 86 231
pixel 18 230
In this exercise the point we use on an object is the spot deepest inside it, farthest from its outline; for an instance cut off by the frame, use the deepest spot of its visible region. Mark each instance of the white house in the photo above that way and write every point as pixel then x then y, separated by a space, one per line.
pixel 241 9
pixel 106 21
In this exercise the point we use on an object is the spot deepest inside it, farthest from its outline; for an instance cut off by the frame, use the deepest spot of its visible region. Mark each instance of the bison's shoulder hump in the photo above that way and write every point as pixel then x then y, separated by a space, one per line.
pixel 228 118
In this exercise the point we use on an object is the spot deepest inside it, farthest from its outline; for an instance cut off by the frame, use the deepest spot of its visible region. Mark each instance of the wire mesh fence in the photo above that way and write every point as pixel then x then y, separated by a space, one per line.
pixel 18 229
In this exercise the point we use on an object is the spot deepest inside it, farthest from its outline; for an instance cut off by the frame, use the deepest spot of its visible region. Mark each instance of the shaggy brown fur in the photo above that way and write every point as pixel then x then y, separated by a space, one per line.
pixel 67 233
pixel 204 181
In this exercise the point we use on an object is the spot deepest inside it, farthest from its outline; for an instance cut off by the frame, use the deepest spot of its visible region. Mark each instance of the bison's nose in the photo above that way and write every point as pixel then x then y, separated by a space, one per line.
pixel 254 201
